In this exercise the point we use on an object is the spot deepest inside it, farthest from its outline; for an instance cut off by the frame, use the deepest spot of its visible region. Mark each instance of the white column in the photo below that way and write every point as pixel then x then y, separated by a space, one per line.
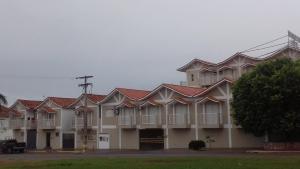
pixel 25 127
pixel 229 117
pixel 203 113
pixel 188 115
pixel 101 119
pixel 25 135
pixel 37 131
pixel 196 121
pixel 120 138
pixel 75 143
pixel 97 130
pixel 221 114
pixel 134 116
pixel 167 130
pixel 160 122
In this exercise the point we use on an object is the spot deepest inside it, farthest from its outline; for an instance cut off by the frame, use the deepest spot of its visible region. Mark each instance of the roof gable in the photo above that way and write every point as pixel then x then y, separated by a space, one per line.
pixel 94 98
pixel 58 101
pixel 236 56
pixel 131 94
pixel 225 80
pixel 62 102
pixel 193 62
pixel 181 90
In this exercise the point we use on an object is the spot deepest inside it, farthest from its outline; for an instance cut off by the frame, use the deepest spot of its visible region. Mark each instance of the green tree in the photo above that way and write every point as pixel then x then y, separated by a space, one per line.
pixel 267 100
pixel 2 99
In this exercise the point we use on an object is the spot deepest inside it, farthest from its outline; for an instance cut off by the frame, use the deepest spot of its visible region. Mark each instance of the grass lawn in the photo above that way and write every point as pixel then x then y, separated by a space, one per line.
pixel 274 162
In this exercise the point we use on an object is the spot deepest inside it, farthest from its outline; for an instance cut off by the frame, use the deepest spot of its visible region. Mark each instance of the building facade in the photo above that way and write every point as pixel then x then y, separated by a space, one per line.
pixel 92 109
pixel 24 126
pixel 54 124
pixel 168 117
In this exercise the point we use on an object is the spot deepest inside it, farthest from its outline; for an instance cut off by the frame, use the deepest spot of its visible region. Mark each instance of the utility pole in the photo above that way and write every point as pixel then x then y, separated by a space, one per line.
pixel 85 85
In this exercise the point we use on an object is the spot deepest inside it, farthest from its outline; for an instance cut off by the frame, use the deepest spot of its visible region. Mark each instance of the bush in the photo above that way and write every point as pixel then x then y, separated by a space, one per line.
pixel 196 144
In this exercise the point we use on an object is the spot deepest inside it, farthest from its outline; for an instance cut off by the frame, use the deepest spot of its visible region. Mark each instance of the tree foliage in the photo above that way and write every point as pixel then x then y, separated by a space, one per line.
pixel 3 99
pixel 267 100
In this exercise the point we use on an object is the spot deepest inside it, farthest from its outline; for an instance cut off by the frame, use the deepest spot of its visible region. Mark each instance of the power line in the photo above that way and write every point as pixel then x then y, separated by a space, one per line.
pixel 266 47
pixel 10 76
pixel 264 43
pixel 268 53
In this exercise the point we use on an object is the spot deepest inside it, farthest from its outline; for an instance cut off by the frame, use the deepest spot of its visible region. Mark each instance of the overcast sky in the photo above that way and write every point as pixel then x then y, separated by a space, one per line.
pixel 125 43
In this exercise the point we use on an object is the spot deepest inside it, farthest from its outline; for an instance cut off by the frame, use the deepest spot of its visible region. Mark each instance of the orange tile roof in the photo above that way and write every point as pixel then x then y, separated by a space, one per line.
pixel 185 90
pixel 63 102
pixel 96 98
pixel 30 104
pixel 133 94
pixel 5 112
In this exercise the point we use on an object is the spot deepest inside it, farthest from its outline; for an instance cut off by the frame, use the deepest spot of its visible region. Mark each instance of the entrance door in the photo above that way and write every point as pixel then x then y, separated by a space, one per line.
pixel 151 139
pixel 68 141
pixel 48 137
pixel 31 139
pixel 103 141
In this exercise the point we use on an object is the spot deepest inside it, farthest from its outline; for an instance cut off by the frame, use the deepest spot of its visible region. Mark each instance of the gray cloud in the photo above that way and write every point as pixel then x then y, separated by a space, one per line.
pixel 125 43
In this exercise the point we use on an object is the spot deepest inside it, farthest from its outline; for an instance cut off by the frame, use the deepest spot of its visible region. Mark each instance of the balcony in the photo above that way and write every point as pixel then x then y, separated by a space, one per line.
pixel 78 123
pixel 31 124
pixel 127 122
pixel 179 121
pixel 46 124
pixel 16 123
pixel 150 121
pixel 4 124
pixel 210 120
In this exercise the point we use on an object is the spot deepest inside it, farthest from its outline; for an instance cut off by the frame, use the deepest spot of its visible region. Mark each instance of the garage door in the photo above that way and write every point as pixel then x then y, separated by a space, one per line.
pixel 151 139
pixel 68 141
pixel 31 139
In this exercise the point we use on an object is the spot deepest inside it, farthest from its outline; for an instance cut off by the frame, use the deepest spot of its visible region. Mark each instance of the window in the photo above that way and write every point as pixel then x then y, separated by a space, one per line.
pixel 180 113
pixel 212 112
pixel 192 77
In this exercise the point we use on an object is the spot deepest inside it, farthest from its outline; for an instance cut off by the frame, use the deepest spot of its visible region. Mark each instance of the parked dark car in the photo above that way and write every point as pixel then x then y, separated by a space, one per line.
pixel 12 146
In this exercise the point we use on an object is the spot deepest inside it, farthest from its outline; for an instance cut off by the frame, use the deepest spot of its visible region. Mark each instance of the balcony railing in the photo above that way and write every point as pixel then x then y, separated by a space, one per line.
pixel 31 124
pixel 4 124
pixel 126 121
pixel 46 124
pixel 208 81
pixel 16 123
pixel 210 120
pixel 78 122
pixel 150 121
pixel 178 120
